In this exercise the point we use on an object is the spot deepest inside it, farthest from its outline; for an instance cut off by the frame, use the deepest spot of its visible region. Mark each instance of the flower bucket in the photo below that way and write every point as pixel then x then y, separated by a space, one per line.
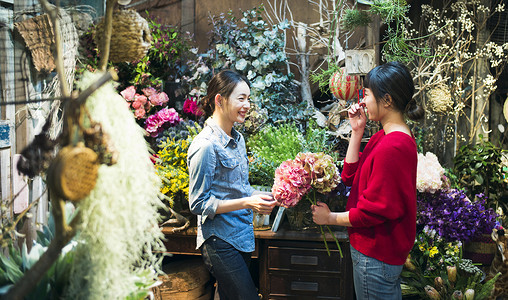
pixel 343 86
pixel 480 250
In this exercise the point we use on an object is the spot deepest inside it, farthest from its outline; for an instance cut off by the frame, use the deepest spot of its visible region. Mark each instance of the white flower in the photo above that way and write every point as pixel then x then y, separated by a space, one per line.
pixel 259 83
pixel 241 64
pixel 429 173
pixel 251 74
pixel 254 51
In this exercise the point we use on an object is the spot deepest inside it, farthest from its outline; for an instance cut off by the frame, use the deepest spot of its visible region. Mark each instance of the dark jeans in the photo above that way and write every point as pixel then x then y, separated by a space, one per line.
pixel 230 268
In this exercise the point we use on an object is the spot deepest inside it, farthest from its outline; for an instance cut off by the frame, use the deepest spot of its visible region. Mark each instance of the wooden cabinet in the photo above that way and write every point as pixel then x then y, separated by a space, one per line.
pixel 302 269
pixel 292 264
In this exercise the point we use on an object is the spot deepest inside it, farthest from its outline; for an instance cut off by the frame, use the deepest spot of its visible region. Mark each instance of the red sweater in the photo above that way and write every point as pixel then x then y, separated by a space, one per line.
pixel 382 201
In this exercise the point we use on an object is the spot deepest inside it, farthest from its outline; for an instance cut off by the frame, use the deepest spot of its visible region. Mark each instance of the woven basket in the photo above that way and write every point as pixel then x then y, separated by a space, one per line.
pixel 73 173
pixel 480 250
pixel 37 32
pixel 130 36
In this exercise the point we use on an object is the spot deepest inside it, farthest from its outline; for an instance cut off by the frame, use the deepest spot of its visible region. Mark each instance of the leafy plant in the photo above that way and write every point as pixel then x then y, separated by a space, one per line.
pixel 272 145
pixel 53 283
pixel 354 18
pixel 478 170
pixel 252 47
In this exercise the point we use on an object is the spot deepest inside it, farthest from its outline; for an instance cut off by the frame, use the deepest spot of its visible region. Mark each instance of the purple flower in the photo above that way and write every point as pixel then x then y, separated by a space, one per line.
pixel 453 216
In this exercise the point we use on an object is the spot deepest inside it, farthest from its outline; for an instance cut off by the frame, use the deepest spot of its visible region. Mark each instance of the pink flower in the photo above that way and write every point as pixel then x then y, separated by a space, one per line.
pixel 139 113
pixel 141 98
pixel 168 115
pixel 128 93
pixel 190 106
pixel 163 97
pixel 149 91
pixel 292 181
pixel 137 104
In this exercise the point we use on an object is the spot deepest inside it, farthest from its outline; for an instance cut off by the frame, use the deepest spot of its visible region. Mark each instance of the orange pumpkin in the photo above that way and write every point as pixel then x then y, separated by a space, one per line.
pixel 344 86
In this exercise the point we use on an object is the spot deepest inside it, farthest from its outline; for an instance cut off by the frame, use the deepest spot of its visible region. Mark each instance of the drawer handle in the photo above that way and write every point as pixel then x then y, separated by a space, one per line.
pixel 304 286
pixel 304 260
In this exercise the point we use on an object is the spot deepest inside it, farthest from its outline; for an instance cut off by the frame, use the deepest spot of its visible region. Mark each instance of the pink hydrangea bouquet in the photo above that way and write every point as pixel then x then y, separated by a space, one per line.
pixel 143 103
pixel 294 178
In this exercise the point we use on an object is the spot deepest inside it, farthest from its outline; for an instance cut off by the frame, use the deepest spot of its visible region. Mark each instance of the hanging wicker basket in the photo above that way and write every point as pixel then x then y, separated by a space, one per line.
pixel 130 36
pixel 73 173
pixel 37 32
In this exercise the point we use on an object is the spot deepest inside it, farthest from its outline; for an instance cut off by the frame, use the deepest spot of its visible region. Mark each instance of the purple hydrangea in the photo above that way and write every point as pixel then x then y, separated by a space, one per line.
pixel 453 216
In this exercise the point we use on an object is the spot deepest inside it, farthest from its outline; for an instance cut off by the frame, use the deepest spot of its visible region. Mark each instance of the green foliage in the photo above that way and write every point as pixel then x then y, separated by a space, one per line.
pixel 466 276
pixel 478 170
pixel 322 76
pixel 53 283
pixel 252 47
pixel 165 60
pixel 272 145
pixel 354 18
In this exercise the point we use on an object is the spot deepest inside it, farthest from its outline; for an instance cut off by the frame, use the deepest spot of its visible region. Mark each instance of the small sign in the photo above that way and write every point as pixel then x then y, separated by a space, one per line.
pixel 360 61
pixel 5 134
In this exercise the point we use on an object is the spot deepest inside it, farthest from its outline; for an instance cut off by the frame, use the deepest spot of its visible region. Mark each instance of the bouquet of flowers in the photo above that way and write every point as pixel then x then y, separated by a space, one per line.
pixel 294 178
pixel 143 103
pixel 453 216
pixel 308 171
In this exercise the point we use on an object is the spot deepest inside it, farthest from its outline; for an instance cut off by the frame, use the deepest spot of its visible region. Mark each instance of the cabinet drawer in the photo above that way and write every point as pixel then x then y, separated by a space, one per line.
pixel 304 286
pixel 303 259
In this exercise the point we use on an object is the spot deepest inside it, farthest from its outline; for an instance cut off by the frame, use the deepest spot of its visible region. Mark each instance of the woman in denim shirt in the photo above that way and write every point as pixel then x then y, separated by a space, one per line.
pixel 219 190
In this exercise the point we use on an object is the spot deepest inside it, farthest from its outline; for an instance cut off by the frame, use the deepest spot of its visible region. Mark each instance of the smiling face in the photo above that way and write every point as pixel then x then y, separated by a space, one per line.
pixel 375 109
pixel 235 108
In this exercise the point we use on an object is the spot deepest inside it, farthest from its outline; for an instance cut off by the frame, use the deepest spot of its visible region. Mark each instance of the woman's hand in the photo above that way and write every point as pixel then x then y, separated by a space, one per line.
pixel 261 203
pixel 320 213
pixel 357 117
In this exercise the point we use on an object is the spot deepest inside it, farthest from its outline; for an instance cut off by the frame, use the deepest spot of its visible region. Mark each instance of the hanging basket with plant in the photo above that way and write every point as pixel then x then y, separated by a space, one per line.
pixel 130 36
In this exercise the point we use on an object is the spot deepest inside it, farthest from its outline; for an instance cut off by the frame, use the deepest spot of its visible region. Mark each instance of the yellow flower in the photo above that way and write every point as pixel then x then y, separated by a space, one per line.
pixel 422 248
pixel 433 251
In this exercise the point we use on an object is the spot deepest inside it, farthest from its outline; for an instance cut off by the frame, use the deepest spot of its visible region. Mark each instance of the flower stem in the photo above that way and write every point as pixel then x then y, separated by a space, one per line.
pixel 313 202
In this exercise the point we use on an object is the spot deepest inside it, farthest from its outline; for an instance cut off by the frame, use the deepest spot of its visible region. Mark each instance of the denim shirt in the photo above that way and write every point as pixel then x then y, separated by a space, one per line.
pixel 218 172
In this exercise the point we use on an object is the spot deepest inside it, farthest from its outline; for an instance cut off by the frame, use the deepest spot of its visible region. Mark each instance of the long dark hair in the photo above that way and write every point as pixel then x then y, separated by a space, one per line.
pixel 222 83
pixel 394 79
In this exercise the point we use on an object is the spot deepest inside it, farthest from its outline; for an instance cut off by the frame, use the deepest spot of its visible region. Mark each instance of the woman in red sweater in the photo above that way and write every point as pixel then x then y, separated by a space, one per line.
pixel 381 208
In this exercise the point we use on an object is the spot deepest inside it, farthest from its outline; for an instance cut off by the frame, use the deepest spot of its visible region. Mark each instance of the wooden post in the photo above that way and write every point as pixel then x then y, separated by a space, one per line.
pixel 188 16
pixel 8 112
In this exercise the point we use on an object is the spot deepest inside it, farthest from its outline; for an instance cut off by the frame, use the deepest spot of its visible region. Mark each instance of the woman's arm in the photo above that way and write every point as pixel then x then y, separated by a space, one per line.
pixel 322 215
pixel 260 203
pixel 358 120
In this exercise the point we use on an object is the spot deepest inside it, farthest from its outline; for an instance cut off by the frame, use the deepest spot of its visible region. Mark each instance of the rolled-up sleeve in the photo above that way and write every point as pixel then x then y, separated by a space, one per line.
pixel 201 160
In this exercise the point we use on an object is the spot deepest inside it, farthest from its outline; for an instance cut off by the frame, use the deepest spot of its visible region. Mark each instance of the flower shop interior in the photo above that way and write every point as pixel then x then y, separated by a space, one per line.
pixel 100 103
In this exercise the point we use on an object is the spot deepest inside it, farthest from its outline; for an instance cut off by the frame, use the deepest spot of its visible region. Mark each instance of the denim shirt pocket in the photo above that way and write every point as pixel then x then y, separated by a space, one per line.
pixel 228 170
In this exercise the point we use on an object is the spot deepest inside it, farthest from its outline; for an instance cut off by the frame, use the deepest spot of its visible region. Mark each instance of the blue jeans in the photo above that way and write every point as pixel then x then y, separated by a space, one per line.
pixel 230 268
pixel 374 279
